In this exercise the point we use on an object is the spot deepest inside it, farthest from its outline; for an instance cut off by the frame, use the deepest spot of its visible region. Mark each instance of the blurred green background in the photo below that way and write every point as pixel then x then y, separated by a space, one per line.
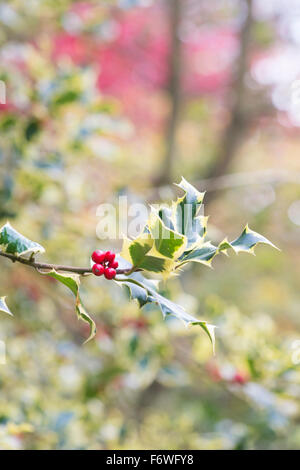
pixel 113 98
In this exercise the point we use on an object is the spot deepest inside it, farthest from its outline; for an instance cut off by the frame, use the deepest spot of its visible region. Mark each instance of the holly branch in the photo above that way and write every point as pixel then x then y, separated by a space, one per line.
pixel 56 267
pixel 171 239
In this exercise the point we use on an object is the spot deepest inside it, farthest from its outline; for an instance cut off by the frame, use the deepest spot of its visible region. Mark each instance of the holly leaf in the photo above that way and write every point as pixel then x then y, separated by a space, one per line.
pixel 14 243
pixel 136 252
pixel 166 215
pixel 188 221
pixel 145 291
pixel 138 290
pixel 248 240
pixel 167 242
pixel 3 307
pixel 204 254
pixel 142 254
pixel 173 237
pixel 72 281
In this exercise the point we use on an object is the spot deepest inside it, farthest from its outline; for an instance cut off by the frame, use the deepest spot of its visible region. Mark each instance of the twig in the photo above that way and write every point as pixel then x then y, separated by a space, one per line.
pixel 56 267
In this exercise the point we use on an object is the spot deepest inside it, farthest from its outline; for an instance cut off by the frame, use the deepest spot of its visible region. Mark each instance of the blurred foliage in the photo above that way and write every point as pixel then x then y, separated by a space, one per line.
pixel 82 126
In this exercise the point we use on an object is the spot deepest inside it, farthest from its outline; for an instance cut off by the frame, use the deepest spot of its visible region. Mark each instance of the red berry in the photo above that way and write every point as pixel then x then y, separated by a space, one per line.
pixel 109 257
pixel 114 264
pixel 98 269
pixel 98 256
pixel 109 273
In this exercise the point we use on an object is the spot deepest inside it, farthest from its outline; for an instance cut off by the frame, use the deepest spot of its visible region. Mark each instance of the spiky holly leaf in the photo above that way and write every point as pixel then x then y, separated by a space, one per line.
pixel 72 281
pixel 203 254
pixel 137 287
pixel 145 291
pixel 246 242
pixel 167 242
pixel 186 210
pixel 156 249
pixel 3 307
pixel 138 253
pixel 173 237
pixel 14 243
pixel 166 215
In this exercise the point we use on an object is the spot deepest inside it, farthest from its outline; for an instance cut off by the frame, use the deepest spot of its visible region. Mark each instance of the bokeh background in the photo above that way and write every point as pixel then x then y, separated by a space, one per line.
pixel 107 98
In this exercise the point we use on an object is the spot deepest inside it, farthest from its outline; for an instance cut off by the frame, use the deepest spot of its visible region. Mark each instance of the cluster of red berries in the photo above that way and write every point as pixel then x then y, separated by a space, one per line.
pixel 104 264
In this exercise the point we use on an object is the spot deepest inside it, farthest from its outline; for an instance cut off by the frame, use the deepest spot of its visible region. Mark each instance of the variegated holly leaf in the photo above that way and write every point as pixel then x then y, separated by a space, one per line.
pixel 167 242
pixel 138 253
pixel 3 307
pixel 167 216
pixel 203 254
pixel 246 242
pixel 145 291
pixel 72 281
pixel 14 243
pixel 174 236
pixel 156 249
pixel 187 218
pixel 137 285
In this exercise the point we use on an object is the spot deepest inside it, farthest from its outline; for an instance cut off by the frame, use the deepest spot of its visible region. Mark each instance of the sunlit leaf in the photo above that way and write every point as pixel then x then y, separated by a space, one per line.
pixel 188 221
pixel 72 281
pixel 142 254
pixel 167 242
pixel 14 243
pixel 145 291
pixel 203 254
pixel 248 240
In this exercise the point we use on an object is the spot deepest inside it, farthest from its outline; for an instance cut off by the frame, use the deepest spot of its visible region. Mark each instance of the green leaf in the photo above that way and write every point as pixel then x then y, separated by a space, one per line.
pixel 186 214
pixel 186 210
pixel 156 249
pixel 166 215
pixel 173 237
pixel 138 293
pixel 14 243
pixel 204 254
pixel 167 242
pixel 135 251
pixel 145 291
pixel 138 290
pixel 248 240
pixel 140 254
pixel 3 307
pixel 72 281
